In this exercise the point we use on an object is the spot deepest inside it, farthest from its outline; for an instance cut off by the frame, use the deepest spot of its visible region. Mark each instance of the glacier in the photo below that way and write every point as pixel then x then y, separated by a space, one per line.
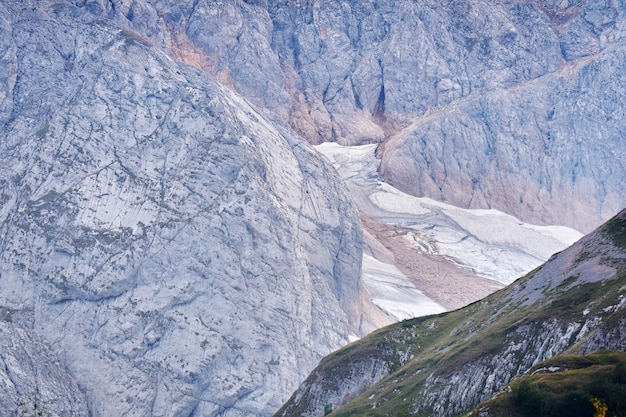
pixel 488 244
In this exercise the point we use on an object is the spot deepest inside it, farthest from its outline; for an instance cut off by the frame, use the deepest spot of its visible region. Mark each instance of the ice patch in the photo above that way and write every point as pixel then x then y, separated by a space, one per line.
pixel 394 293
pixel 494 244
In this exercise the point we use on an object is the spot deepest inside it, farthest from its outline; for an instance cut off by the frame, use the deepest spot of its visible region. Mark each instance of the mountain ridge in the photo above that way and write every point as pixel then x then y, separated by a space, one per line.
pixel 445 364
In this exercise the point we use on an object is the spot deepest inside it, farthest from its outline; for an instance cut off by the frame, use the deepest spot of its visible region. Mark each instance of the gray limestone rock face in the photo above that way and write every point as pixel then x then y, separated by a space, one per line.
pixel 185 254
pixel 162 229
pixel 524 77
pixel 550 152
pixel 33 377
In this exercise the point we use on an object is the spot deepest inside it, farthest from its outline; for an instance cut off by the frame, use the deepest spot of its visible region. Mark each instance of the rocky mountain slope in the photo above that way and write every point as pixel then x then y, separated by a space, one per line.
pixel 448 363
pixel 514 105
pixel 33 373
pixel 165 249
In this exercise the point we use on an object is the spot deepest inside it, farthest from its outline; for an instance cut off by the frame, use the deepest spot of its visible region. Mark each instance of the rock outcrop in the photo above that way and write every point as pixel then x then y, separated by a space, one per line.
pixel 181 252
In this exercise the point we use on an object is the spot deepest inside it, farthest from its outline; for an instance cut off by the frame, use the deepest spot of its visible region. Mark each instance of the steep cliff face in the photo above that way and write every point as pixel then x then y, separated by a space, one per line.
pixel 34 377
pixel 555 142
pixel 514 105
pixel 446 364
pixel 183 254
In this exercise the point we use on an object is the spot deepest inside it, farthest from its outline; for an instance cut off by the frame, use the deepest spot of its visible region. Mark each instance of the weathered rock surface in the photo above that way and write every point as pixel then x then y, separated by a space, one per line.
pixel 548 151
pixel 182 253
pixel 514 105
pixel 33 377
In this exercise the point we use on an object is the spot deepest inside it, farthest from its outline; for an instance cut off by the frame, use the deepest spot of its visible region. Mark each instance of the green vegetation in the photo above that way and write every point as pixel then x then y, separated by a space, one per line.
pixel 33 407
pixel 616 230
pixel 43 131
pixel 593 385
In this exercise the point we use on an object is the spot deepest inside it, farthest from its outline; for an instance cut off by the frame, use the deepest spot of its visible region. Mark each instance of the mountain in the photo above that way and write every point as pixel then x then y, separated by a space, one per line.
pixel 34 373
pixel 448 363
pixel 169 244
pixel 512 105
pixel 166 248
